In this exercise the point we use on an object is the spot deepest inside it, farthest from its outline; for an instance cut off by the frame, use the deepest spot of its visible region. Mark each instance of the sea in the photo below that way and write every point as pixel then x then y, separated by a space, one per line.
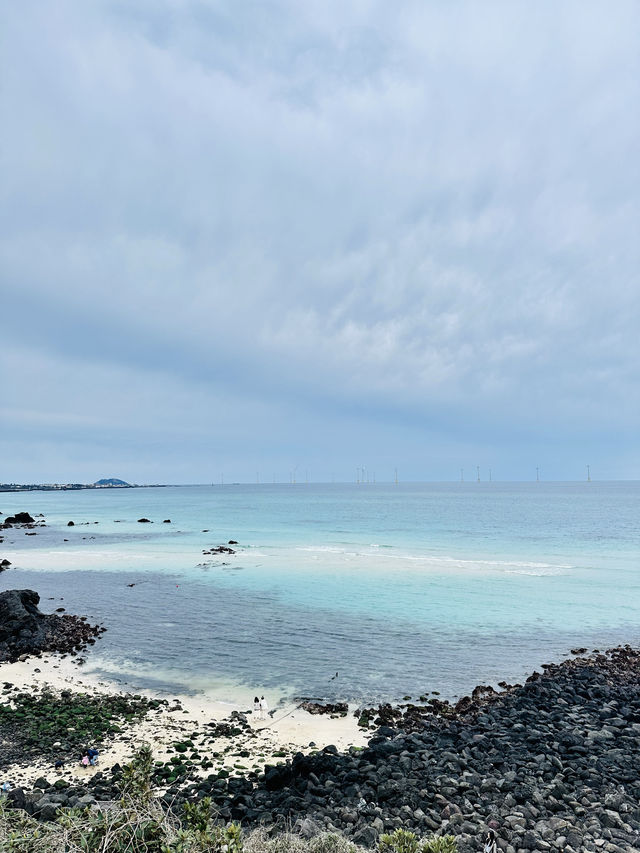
pixel 341 592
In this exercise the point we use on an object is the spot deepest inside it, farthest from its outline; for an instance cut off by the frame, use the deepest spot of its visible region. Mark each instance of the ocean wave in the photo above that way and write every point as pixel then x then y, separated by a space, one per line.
pixel 381 554
pixel 551 571
pixel 321 549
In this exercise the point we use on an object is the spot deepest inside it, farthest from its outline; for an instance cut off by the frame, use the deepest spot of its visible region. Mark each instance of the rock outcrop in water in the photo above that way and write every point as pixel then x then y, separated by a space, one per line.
pixel 25 631
pixel 19 518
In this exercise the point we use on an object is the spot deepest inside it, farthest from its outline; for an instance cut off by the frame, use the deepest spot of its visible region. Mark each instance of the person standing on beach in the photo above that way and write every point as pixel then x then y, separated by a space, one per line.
pixel 256 707
pixel 263 708
pixel 490 845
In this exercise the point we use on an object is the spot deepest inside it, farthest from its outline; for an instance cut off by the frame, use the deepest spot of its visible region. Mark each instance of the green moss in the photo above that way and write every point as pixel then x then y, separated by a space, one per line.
pixel 78 718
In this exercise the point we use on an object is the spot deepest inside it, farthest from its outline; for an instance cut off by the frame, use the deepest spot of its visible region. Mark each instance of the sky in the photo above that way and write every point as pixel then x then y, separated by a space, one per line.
pixel 265 239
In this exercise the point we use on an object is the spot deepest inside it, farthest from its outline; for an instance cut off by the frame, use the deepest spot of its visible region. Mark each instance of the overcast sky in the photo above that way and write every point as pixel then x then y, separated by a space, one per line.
pixel 259 237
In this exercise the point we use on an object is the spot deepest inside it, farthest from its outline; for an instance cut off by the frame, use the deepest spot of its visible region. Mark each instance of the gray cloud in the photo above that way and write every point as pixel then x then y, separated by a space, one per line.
pixel 421 218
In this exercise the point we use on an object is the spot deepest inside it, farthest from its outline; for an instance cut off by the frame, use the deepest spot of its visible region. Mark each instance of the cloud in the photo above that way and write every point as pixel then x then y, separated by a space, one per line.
pixel 413 213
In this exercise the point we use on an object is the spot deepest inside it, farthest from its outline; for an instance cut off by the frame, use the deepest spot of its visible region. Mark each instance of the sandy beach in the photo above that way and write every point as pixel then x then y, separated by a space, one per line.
pixel 286 730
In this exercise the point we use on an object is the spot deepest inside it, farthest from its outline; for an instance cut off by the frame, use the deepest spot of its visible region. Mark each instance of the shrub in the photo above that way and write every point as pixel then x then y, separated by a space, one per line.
pixel 403 841
pixel 258 841
pixel 440 844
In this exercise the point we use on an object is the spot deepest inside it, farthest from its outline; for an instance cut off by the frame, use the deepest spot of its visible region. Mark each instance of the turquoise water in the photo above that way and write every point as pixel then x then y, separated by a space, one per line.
pixel 400 589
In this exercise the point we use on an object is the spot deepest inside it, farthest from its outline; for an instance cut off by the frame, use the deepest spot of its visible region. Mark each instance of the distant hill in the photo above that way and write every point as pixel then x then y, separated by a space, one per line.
pixel 111 481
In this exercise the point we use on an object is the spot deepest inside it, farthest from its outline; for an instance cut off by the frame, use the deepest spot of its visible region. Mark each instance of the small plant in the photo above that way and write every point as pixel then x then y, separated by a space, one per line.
pixel 400 841
pixel 20 833
pixel 197 815
pixel 258 841
pixel 440 844
pixel 404 841
pixel 136 777
pixel 330 842
pixel 222 839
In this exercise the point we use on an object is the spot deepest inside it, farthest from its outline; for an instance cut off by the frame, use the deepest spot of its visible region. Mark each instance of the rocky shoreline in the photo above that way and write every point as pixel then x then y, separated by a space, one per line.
pixel 550 765
pixel 25 631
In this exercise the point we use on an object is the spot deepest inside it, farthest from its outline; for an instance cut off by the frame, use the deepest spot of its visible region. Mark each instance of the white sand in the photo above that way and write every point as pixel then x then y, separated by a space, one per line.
pixel 290 729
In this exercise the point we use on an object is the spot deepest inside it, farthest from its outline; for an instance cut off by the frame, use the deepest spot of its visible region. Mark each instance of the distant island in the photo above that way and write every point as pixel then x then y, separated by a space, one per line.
pixel 107 483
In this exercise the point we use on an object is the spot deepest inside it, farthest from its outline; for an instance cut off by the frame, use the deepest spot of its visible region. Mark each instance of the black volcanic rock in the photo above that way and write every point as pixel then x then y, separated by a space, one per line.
pixel 338 709
pixel 24 630
pixel 19 518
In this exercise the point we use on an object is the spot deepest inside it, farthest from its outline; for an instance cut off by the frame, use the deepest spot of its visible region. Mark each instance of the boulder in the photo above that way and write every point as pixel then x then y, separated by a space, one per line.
pixel 46 810
pixel 366 837
pixel 19 518
pixel 18 611
pixel 16 798
pixel 307 828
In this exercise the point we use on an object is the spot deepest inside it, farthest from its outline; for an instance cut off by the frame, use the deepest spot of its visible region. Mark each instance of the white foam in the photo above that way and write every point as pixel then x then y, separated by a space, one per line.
pixel 321 549
pixel 370 557
pixel 366 558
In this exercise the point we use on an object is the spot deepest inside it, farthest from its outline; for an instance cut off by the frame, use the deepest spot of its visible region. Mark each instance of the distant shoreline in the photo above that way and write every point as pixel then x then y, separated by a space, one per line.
pixel 73 487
